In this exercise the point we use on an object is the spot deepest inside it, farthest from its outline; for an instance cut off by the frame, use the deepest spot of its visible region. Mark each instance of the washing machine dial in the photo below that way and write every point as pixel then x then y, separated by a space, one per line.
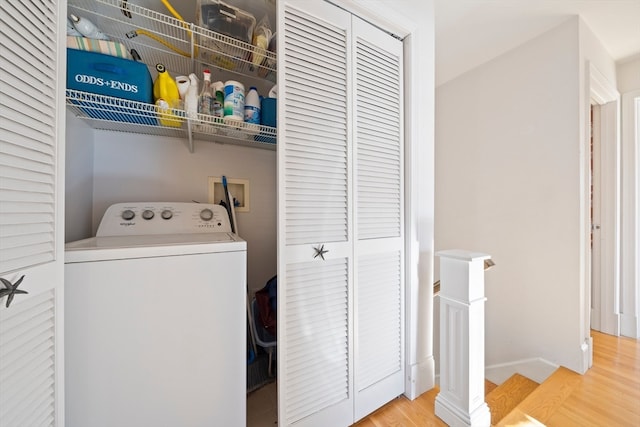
pixel 128 215
pixel 206 214
pixel 147 214
pixel 166 214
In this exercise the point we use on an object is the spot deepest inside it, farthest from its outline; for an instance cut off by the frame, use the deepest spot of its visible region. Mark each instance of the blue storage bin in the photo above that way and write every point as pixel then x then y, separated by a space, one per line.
pixel 114 77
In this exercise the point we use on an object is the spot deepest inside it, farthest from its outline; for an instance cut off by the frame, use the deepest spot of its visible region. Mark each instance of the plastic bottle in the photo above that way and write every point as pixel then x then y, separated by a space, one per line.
pixel 183 83
pixel 273 93
pixel 252 107
pixel 191 97
pixel 233 101
pixel 87 28
pixel 205 100
pixel 218 104
pixel 166 97
pixel 71 30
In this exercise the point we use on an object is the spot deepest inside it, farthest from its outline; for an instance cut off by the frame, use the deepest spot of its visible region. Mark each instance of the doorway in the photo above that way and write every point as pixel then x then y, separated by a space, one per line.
pixel 604 235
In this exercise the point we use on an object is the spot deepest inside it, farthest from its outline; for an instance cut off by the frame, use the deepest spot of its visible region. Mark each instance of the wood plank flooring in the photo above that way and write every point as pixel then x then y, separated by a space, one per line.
pixel 542 405
pixel 607 395
pixel 505 398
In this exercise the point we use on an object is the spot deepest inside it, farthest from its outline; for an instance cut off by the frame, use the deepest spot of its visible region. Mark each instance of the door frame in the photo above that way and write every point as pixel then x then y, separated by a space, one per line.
pixel 603 93
pixel 630 245
pixel 419 55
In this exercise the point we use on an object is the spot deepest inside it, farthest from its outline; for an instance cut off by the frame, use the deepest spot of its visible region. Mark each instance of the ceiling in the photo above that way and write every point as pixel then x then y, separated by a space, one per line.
pixel 471 32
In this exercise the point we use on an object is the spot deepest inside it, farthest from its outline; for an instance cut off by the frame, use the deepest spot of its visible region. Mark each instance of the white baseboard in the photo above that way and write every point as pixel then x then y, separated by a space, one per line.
pixel 420 378
pixel 536 369
pixel 455 416
pixel 587 355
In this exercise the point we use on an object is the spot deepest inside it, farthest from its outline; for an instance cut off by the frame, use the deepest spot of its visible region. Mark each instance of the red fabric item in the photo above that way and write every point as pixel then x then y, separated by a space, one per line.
pixel 268 317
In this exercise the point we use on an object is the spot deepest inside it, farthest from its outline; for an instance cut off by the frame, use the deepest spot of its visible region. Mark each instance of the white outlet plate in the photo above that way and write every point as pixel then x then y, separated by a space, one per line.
pixel 238 188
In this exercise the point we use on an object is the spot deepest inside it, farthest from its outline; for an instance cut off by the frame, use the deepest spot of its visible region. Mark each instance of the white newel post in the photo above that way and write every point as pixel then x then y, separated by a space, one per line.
pixel 461 398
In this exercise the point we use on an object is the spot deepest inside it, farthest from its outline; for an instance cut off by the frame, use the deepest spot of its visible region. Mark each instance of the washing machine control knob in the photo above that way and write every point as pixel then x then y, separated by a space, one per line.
pixel 147 214
pixel 128 215
pixel 206 214
pixel 166 214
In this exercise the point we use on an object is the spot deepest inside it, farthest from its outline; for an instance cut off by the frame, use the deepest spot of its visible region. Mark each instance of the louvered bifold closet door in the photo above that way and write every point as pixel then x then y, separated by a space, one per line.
pixel 315 375
pixel 27 133
pixel 27 362
pixel 378 192
pixel 32 114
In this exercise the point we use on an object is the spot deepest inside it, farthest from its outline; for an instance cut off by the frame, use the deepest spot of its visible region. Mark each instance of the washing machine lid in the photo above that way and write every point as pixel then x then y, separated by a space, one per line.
pixel 106 248
pixel 150 229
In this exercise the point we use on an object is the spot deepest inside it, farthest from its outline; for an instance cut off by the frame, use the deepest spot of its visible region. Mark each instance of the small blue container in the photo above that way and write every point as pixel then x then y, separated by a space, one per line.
pixel 269 112
pixel 268 117
pixel 114 77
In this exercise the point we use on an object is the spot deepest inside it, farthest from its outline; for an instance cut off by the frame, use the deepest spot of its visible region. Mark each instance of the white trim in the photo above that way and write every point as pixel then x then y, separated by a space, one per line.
pixel 602 91
pixel 630 245
pixel 421 377
pixel 380 15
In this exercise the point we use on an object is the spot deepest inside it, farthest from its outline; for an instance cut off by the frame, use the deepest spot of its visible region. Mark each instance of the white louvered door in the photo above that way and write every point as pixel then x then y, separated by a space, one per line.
pixel 378 219
pixel 340 240
pixel 32 76
pixel 315 375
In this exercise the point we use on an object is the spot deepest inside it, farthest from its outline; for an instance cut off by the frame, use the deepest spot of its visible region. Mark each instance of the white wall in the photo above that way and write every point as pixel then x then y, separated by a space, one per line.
pixel 129 167
pixel 79 179
pixel 508 183
pixel 628 73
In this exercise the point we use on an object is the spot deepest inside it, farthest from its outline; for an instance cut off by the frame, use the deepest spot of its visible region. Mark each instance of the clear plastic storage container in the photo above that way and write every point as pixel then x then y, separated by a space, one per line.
pixel 225 19
pixel 236 27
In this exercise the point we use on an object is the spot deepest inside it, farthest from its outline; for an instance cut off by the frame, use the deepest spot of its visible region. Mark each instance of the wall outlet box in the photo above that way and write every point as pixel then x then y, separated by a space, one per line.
pixel 238 189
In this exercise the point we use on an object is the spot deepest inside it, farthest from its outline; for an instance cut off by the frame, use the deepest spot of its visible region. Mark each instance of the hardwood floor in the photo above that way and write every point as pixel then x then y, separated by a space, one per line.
pixel 607 395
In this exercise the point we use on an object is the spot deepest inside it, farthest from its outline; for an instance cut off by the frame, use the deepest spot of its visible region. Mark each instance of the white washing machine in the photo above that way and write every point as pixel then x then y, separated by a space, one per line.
pixel 155 319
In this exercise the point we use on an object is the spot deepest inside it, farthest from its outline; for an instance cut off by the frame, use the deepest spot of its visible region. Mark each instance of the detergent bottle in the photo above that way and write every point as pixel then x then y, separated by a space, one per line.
pixel 166 97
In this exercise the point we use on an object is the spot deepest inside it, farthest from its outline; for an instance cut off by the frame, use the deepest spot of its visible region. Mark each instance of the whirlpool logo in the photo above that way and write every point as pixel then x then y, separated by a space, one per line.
pixel 100 82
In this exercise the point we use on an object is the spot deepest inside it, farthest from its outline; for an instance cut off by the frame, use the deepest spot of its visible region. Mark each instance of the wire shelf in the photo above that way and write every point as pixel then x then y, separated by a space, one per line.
pixel 181 46
pixel 117 114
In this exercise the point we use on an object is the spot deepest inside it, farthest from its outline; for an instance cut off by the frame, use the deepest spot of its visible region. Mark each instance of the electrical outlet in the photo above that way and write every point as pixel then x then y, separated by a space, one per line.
pixel 238 189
